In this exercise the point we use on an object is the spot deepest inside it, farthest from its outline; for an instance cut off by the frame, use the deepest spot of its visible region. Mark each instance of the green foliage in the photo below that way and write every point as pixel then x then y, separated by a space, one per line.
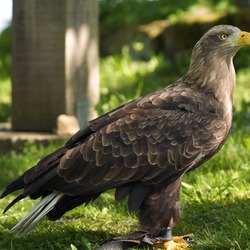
pixel 5 99
pixel 116 13
pixel 5 56
pixel 5 87
pixel 124 78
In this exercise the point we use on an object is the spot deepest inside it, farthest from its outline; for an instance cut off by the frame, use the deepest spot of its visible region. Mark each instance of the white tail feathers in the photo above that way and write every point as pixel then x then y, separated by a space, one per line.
pixel 27 223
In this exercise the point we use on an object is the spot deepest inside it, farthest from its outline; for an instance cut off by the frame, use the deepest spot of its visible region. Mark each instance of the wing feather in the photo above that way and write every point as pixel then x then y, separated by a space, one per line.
pixel 152 139
pixel 167 141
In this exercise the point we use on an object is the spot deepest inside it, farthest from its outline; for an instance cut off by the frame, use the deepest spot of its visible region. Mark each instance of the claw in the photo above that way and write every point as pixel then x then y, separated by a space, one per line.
pixel 177 243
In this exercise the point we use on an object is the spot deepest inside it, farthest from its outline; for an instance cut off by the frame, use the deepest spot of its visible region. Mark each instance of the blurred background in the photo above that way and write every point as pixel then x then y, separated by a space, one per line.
pixel 89 56
pixel 143 46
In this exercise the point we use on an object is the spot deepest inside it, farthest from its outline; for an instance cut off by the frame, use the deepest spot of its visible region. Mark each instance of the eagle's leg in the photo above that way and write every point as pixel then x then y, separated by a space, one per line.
pixel 159 213
pixel 166 241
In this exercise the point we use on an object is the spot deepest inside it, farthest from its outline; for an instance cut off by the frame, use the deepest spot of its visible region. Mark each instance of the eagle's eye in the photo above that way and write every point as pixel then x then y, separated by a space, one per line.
pixel 223 36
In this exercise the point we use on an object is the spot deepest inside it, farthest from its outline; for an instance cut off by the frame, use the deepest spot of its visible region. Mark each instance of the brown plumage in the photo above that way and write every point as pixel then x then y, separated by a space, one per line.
pixel 143 148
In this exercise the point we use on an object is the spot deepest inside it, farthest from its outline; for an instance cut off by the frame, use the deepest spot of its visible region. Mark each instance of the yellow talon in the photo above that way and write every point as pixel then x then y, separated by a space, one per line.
pixel 177 243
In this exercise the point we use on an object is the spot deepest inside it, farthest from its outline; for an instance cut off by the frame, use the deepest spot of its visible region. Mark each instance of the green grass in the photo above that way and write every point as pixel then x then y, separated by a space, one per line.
pixel 5 99
pixel 124 78
pixel 215 206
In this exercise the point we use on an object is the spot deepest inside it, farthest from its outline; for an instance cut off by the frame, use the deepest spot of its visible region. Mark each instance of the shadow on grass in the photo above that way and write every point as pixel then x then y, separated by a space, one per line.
pixel 215 226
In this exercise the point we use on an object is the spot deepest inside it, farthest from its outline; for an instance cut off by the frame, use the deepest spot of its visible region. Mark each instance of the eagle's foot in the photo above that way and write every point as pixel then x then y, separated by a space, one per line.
pixel 177 243
pixel 165 240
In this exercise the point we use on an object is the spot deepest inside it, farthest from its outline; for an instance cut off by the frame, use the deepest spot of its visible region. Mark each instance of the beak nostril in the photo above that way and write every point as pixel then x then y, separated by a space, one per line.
pixel 242 35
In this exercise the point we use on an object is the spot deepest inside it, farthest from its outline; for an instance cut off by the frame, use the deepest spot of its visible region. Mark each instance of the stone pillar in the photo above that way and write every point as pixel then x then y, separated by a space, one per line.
pixel 54 62
pixel 82 59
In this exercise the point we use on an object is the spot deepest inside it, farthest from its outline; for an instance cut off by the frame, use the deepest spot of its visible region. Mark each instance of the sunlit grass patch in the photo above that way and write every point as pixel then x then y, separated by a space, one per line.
pixel 5 99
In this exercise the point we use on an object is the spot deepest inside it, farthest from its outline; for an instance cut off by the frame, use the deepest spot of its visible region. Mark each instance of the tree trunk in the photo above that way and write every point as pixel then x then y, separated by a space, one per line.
pixel 54 62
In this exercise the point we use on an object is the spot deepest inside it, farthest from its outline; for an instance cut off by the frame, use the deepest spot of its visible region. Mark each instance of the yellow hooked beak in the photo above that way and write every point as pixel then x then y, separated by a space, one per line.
pixel 244 39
